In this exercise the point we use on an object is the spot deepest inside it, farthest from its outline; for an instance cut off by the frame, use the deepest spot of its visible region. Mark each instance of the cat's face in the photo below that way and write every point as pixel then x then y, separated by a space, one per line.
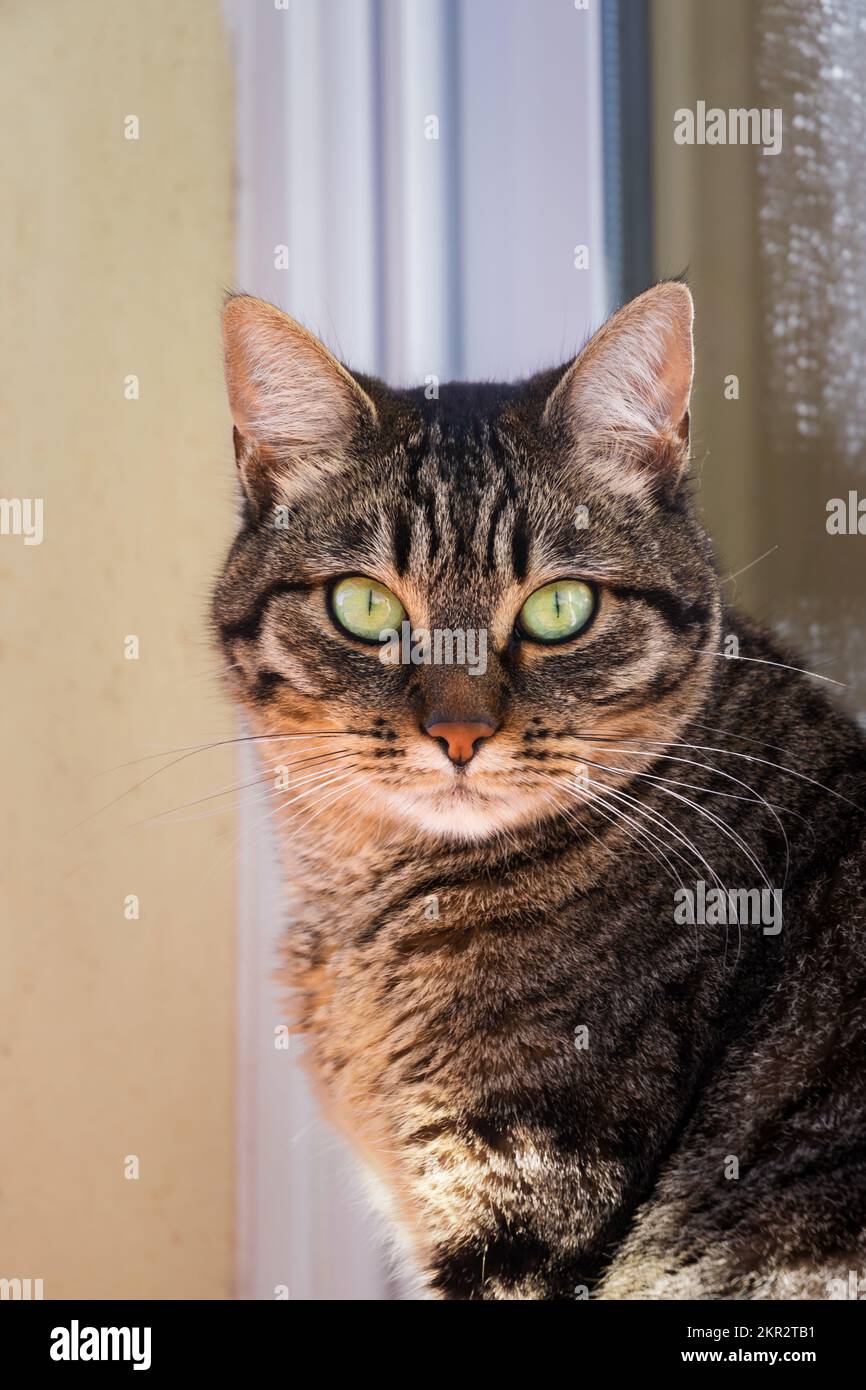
pixel 473 612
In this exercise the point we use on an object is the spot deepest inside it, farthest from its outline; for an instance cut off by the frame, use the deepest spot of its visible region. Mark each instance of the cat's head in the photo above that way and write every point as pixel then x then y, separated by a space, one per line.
pixel 478 607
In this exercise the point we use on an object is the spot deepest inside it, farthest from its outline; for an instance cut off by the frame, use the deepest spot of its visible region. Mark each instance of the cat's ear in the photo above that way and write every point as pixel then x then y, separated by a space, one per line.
pixel 295 407
pixel 624 402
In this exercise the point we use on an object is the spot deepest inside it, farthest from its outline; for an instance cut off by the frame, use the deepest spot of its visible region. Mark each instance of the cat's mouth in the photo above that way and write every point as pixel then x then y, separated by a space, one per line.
pixel 464 805
pixel 458 788
pixel 461 789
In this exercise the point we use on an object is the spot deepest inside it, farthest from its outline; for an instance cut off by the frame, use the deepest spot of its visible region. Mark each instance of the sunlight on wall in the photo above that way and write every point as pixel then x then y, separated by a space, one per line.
pixel 120 1029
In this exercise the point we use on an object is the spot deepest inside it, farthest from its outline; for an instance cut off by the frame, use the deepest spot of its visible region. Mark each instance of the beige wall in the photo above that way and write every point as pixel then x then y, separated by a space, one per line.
pixel 116 1036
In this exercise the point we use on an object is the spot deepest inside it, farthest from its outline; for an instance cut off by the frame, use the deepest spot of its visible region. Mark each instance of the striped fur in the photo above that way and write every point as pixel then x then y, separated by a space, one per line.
pixel 456 931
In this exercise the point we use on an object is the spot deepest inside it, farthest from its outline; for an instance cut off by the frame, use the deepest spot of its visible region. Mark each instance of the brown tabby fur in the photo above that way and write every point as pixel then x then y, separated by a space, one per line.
pixel 455 927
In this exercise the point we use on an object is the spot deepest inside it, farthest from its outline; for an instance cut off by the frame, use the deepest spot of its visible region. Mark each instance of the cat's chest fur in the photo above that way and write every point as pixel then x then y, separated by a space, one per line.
pixel 469 1032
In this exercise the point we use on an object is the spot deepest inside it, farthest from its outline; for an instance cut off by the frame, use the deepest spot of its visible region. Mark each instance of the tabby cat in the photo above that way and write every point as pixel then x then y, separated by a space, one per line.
pixel 578 957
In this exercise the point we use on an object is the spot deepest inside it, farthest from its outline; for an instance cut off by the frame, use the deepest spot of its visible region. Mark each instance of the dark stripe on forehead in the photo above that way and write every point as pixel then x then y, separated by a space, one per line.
pixel 432 528
pixel 416 457
pixel 460 541
pixel 248 626
pixel 491 534
pixel 520 545
pixel 402 540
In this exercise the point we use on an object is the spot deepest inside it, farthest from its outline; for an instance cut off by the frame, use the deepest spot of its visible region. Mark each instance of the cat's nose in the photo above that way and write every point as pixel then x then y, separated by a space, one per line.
pixel 460 740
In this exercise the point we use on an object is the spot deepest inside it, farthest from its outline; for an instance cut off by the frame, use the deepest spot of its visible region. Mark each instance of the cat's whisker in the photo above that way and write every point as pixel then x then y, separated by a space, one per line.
pixel 329 804
pixel 764 661
pixel 325 782
pixel 726 829
pixel 702 811
pixel 252 806
pixel 225 743
pixel 656 817
pixel 304 816
pixel 741 738
pixel 313 809
pixel 725 752
pixel 231 808
pixel 659 818
pixel 175 762
pixel 595 794
pixel 756 798
pixel 729 578
pixel 614 817
pixel 261 781
pixel 719 772
pixel 569 816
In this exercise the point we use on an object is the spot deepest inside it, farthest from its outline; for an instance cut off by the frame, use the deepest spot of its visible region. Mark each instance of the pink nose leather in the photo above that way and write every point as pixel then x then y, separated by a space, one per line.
pixel 460 739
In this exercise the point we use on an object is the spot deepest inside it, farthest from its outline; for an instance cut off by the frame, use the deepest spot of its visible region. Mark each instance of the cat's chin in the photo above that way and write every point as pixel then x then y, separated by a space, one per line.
pixel 461 813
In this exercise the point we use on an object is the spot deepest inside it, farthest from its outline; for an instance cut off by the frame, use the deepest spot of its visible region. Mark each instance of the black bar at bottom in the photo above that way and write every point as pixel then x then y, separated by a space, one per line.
pixel 154 1339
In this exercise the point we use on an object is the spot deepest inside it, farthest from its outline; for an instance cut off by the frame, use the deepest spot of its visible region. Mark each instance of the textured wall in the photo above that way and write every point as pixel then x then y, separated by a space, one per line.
pixel 116 1035
pixel 811 64
pixel 774 246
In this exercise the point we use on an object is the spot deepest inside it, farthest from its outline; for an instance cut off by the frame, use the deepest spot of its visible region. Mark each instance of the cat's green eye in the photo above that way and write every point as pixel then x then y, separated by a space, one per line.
pixel 557 611
pixel 366 608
